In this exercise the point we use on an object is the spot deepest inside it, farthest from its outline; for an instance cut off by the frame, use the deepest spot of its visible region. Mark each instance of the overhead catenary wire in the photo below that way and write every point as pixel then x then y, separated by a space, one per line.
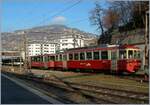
pixel 58 13
pixel 78 21
pixel 48 12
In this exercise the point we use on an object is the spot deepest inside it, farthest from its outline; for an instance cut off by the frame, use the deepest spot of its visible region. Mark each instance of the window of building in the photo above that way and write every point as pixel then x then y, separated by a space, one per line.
pixel 70 56
pixel 46 45
pixel 64 44
pixel 76 56
pixel 96 55
pixel 52 51
pixel 82 56
pixel 88 55
pixel 64 40
pixel 104 55
pixel 52 45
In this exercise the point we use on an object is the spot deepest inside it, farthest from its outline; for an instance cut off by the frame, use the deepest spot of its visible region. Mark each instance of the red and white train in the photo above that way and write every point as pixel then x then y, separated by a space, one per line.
pixel 111 58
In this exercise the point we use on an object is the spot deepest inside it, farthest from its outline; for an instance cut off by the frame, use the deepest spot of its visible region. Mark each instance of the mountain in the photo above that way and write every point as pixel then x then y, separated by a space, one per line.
pixel 13 40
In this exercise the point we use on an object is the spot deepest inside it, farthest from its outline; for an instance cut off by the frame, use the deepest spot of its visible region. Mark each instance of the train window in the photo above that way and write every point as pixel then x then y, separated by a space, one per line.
pixel 76 56
pixel 49 58
pixel 32 59
pixel 46 58
pixel 122 54
pixel 130 54
pixel 70 56
pixel 113 55
pixel 88 55
pixel 82 56
pixel 64 57
pixel 136 54
pixel 38 59
pixel 56 57
pixel 60 57
pixel 104 55
pixel 96 55
pixel 41 58
pixel 35 59
pixel 52 58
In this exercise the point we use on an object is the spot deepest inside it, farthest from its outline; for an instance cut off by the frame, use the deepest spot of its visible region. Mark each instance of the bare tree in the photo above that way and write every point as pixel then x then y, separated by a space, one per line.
pixel 124 10
pixel 139 12
pixel 110 19
pixel 96 17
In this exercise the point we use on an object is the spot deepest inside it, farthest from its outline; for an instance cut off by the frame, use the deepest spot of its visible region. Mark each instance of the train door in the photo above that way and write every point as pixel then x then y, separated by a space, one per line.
pixel 114 55
pixel 45 60
pixel 64 61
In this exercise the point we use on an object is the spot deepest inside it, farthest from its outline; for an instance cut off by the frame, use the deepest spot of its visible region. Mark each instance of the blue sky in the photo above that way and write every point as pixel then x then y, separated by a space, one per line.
pixel 23 14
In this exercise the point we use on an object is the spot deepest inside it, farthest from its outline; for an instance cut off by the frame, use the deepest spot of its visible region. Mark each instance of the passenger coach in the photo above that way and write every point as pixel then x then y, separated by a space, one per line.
pixel 113 58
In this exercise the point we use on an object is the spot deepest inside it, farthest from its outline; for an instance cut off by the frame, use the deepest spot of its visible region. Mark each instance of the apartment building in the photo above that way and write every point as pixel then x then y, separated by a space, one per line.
pixel 68 42
pixel 39 49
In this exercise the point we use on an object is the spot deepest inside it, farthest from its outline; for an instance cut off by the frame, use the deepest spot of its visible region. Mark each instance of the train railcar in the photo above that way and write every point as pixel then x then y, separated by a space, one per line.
pixel 124 58
pixel 12 61
pixel 37 61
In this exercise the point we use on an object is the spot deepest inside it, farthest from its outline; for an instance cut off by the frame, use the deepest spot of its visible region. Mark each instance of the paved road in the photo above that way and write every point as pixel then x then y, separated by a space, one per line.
pixel 11 93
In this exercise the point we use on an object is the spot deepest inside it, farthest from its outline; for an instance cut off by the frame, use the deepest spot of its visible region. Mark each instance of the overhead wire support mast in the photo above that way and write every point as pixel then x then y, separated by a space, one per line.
pixel 26 70
pixel 146 66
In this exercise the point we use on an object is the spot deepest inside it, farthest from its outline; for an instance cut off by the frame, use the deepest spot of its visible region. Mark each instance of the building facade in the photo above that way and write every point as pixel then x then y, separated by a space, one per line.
pixel 58 45
pixel 64 43
pixel 34 49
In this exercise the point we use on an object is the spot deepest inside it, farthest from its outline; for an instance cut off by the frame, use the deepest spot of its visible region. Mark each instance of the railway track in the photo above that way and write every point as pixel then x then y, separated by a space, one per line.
pixel 105 91
pixel 102 94
pixel 135 77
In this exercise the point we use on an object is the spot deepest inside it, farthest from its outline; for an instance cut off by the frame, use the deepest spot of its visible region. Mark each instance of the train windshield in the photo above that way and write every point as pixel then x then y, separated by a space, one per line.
pixel 122 54
pixel 137 54
pixel 130 54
